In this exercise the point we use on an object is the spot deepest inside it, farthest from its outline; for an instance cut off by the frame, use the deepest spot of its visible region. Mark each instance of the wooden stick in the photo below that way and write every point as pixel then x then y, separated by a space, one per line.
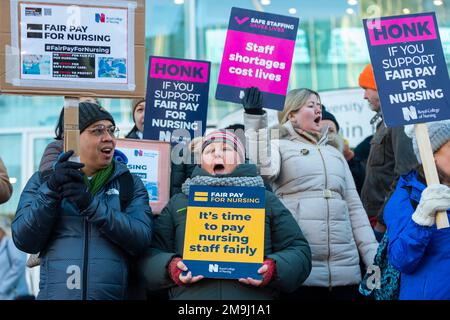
pixel 429 167
pixel 71 127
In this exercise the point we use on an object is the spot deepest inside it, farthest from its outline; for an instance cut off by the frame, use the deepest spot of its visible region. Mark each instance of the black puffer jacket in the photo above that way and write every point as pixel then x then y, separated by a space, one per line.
pixel 84 255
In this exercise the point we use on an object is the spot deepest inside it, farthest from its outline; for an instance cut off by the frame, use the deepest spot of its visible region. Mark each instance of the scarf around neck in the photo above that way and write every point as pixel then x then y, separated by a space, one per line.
pixel 99 179
pixel 221 182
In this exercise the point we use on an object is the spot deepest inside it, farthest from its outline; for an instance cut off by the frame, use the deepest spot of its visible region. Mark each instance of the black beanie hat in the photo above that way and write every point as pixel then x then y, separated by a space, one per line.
pixel 90 113
pixel 329 116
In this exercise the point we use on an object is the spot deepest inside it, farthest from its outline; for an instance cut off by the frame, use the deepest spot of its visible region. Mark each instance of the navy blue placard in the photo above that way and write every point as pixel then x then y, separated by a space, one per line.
pixel 224 270
pixel 230 197
pixel 409 67
pixel 177 99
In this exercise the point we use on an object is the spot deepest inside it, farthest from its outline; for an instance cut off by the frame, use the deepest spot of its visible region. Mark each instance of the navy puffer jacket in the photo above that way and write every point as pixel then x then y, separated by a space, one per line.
pixel 83 255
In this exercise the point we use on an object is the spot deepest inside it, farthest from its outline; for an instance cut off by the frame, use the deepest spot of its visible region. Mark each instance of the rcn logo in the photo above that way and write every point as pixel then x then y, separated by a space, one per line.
pixel 138 153
pixel 409 113
pixel 100 17
pixel 213 267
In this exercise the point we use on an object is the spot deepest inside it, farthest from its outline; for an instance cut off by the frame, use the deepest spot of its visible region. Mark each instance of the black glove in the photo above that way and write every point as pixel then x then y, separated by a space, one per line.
pixel 252 101
pixel 64 171
pixel 77 192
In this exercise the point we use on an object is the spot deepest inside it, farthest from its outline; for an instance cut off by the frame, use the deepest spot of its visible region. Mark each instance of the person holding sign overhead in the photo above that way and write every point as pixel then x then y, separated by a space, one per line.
pixel 287 256
pixel 417 248
pixel 314 182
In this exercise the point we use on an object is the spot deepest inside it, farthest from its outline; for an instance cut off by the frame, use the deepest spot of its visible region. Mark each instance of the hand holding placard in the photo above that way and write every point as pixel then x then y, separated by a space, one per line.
pixel 177 268
pixel 267 270
pixel 429 167
pixel 252 101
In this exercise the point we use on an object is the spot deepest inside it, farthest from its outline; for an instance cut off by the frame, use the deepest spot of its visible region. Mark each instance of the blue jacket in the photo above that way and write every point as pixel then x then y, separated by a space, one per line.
pixel 83 256
pixel 12 271
pixel 421 254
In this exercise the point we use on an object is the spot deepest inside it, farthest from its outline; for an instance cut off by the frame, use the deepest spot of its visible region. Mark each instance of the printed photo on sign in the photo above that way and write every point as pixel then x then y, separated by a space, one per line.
pixel 225 232
pixel 150 161
pixel 36 64
pixel 112 68
pixel 409 67
pixel 75 44
pixel 258 52
pixel 177 99
pixel 143 164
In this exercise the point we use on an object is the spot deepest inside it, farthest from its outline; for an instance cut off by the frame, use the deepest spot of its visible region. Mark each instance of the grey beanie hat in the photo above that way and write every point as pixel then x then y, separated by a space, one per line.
pixel 438 131
pixel 90 113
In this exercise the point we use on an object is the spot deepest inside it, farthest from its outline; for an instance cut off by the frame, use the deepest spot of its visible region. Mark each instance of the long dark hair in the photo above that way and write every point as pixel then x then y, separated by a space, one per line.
pixel 59 129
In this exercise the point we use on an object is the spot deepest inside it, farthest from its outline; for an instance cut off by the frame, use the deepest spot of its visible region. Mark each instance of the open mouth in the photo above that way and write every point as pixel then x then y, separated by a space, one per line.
pixel 317 119
pixel 107 151
pixel 219 168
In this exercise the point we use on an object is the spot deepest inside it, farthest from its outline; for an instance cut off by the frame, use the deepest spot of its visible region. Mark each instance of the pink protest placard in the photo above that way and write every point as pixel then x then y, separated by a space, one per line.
pixel 258 52
pixel 179 70
pixel 408 29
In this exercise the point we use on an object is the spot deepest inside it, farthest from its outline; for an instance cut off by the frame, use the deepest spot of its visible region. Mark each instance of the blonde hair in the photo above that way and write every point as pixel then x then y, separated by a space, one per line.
pixel 295 100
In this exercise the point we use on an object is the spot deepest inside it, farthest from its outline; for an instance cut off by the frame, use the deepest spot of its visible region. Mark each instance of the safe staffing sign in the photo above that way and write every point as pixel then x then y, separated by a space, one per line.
pixel 258 52
pixel 225 232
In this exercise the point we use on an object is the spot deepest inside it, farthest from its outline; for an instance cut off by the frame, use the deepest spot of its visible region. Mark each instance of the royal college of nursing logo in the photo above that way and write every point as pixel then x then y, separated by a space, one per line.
pixel 213 267
pixel 138 153
pixel 100 18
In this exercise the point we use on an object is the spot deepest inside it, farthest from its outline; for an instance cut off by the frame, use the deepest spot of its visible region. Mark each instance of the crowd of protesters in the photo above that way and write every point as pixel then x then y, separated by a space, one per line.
pixel 91 229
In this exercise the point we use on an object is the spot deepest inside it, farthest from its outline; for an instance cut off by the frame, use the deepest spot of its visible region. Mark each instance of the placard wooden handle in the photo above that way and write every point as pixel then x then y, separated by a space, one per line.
pixel 71 127
pixel 429 167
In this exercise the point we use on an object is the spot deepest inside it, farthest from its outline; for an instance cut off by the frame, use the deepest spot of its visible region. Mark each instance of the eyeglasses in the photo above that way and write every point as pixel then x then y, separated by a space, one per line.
pixel 101 130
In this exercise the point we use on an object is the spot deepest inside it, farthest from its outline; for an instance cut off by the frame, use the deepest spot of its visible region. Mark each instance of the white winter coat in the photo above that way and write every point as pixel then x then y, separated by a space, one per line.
pixel 315 183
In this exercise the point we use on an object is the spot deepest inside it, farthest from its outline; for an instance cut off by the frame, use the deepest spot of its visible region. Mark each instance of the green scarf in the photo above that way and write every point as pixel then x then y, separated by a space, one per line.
pixel 99 179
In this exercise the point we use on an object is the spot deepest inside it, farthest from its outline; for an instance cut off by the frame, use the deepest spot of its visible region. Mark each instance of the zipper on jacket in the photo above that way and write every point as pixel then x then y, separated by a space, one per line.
pixel 328 221
pixel 85 260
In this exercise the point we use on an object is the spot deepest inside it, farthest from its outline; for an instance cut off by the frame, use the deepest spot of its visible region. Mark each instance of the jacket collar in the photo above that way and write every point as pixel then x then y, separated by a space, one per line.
pixel 119 169
pixel 377 118
pixel 304 136
pixel 412 181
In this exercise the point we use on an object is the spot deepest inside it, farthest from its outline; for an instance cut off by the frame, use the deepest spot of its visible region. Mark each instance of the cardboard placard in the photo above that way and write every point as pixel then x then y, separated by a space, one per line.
pixel 258 52
pixel 225 232
pixel 73 49
pixel 177 99
pixel 149 160
pixel 409 67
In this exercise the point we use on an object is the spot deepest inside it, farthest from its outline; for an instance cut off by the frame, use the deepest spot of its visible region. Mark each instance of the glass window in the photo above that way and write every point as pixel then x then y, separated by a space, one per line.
pixel 39 145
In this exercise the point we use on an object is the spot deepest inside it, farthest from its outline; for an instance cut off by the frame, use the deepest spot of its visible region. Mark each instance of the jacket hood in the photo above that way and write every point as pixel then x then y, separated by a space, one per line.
pixel 51 153
pixel 242 170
